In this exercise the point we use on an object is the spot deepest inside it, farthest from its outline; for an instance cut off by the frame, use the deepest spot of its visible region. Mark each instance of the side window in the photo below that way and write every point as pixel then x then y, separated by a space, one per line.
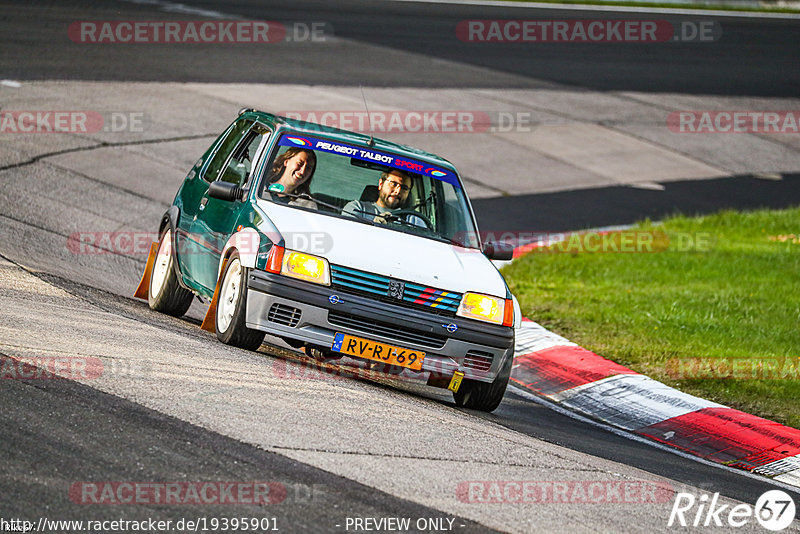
pixel 423 198
pixel 225 148
pixel 244 158
pixel 454 210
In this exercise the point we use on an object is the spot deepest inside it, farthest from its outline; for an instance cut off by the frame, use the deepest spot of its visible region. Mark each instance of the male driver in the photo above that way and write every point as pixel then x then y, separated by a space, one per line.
pixel 393 188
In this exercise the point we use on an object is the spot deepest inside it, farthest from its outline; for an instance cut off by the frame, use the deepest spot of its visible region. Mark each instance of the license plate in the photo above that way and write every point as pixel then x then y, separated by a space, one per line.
pixel 380 352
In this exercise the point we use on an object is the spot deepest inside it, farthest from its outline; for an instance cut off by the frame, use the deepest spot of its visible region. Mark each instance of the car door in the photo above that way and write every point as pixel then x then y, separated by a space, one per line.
pixel 191 201
pixel 217 219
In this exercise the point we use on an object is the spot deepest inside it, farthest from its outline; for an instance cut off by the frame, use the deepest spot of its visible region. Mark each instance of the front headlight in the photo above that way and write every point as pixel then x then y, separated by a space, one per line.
pixel 306 267
pixel 487 308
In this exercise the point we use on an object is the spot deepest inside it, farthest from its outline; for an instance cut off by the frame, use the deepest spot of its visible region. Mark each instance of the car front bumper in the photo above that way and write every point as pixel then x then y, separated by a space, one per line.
pixel 313 314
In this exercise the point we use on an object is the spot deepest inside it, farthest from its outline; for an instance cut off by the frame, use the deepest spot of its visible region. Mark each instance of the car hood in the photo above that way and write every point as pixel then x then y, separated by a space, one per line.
pixel 382 251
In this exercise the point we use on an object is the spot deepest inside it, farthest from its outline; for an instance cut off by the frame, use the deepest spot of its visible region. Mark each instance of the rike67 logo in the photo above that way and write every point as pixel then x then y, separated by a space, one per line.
pixel 774 510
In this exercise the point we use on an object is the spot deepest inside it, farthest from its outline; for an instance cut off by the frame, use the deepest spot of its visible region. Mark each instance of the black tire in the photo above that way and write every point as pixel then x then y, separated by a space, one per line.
pixel 230 315
pixel 164 293
pixel 484 396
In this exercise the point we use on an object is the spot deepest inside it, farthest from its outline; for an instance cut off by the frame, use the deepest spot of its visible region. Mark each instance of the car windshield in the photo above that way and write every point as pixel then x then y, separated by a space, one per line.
pixel 370 186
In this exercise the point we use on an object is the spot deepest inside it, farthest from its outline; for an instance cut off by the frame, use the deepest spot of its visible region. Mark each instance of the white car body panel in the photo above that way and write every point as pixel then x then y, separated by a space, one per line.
pixel 350 243
pixel 246 242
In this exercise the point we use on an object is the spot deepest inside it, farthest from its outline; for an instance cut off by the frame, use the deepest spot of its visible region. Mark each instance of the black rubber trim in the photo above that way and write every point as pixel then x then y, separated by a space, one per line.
pixel 501 337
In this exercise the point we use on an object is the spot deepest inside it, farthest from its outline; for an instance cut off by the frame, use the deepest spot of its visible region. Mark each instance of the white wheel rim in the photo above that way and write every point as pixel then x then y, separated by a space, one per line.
pixel 229 295
pixel 161 266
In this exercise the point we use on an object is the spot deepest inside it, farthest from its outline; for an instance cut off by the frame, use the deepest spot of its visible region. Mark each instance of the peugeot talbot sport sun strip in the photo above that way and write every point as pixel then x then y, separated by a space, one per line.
pixel 411 289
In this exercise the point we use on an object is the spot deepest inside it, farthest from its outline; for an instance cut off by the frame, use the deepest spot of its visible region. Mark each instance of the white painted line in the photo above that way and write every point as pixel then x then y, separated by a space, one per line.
pixel 614 9
pixel 781 467
pixel 631 401
pixel 532 337
pixel 649 186
pixel 174 7
pixel 11 83
pixel 792 478
pixel 788 485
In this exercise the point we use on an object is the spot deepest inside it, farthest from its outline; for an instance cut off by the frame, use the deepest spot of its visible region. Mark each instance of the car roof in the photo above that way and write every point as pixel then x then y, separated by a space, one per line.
pixel 287 123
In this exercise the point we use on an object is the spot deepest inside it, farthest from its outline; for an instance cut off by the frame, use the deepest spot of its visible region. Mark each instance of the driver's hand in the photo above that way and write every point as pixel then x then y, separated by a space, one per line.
pixel 381 218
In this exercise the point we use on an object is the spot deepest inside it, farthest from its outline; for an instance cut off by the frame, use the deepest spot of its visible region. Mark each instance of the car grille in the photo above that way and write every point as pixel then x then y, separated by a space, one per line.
pixel 397 333
pixel 377 286
pixel 284 315
pixel 478 360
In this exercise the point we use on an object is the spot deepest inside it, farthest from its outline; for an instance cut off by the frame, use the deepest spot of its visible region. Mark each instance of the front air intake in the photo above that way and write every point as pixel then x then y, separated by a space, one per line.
pixel 284 315
pixel 478 360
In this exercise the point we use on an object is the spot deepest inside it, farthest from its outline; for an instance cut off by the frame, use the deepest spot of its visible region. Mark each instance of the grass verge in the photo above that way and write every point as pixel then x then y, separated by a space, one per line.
pixel 708 305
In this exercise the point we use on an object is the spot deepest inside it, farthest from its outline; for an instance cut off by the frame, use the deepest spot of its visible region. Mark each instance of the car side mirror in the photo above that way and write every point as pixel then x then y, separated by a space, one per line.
pixel 225 191
pixel 498 250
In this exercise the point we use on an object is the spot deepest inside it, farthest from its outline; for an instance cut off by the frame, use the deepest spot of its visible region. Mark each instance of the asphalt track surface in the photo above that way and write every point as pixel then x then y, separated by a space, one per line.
pixel 621 205
pixel 59 432
pixel 48 446
pixel 753 57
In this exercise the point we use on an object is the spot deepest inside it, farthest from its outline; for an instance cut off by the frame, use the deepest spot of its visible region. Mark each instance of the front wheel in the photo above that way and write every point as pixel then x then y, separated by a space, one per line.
pixel 484 396
pixel 231 303
pixel 165 294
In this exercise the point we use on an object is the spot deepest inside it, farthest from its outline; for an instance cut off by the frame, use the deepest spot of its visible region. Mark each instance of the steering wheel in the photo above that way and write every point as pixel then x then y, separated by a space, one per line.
pixel 415 213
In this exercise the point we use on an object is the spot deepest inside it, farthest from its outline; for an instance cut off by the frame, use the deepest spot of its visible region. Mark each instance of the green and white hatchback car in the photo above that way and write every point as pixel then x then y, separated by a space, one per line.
pixel 344 245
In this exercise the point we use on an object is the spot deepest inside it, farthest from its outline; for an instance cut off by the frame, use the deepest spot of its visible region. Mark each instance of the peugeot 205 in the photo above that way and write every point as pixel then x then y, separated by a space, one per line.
pixel 342 245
